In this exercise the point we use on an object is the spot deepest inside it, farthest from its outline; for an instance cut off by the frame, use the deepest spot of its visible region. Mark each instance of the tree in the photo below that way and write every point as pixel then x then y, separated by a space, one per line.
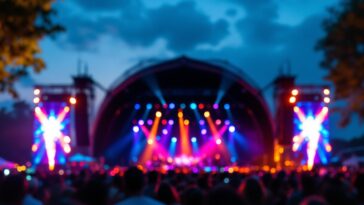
pixel 23 23
pixel 343 48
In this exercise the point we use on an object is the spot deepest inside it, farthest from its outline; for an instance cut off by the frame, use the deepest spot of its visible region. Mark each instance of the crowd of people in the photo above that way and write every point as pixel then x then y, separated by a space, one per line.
pixel 134 186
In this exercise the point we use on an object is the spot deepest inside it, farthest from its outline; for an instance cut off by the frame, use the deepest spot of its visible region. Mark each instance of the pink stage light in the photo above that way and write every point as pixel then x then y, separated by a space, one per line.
pixel 311 130
pixel 51 129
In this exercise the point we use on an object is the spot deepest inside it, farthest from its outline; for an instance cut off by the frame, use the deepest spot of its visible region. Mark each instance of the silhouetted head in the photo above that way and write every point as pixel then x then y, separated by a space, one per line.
pixel 252 191
pixel 223 195
pixel 153 177
pixel 94 192
pixel 167 194
pixel 313 200
pixel 192 196
pixel 134 181
pixel 12 190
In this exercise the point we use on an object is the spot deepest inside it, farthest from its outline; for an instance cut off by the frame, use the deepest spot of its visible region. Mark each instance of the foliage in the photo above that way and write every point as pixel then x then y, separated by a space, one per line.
pixel 343 48
pixel 22 24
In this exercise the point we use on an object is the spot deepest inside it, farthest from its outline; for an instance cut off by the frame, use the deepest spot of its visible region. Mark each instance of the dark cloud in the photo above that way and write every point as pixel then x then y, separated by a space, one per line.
pixel 262 32
pixel 267 45
pixel 182 26
pixel 259 26
pixel 258 8
pixel 102 5
pixel 299 48
pixel 81 33
pixel 231 12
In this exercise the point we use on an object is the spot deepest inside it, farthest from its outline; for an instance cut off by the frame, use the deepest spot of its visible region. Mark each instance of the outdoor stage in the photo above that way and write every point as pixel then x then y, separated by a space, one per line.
pixel 183 113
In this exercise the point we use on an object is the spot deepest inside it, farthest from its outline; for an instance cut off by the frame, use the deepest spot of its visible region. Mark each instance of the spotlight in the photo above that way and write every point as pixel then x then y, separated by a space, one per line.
pixel 206 114
pixel 227 122
pixel 326 99
pixel 328 148
pixel 202 122
pixel 182 105
pixel 294 92
pixel 218 141
pixel 203 131
pixel 218 122
pixel 67 149
pixel 292 99
pixel 201 106
pixel 137 106
pixel 34 147
pixel 149 122
pixel 296 109
pixel 174 139
pixel 164 122
pixel 73 100
pixel 231 128
pixel 296 139
pixel 37 110
pixel 326 91
pixel 170 122
pixel 172 106
pixel 66 109
pixel 325 109
pixel 227 106
pixel 158 114
pixel 193 139
pixel 141 122
pixel 36 91
pixel 150 141
pixel 165 131
pixel 67 139
pixel 136 129
pixel 193 106
pixel 149 106
pixel 216 106
pixel 186 122
pixel 6 172
pixel 36 100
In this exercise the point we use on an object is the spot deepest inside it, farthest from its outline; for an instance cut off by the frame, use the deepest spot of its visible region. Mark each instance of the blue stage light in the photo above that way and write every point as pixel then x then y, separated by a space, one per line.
pixel 193 106
pixel 172 106
pixel 136 129
pixel 137 106
pixel 231 129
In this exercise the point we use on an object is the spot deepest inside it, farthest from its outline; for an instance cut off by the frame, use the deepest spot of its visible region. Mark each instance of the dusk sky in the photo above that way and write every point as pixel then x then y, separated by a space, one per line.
pixel 258 36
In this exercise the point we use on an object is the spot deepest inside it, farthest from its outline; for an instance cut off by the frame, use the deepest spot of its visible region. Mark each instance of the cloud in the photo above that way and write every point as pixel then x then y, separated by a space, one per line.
pixel 81 33
pixel 102 5
pixel 258 8
pixel 259 26
pixel 267 45
pixel 182 26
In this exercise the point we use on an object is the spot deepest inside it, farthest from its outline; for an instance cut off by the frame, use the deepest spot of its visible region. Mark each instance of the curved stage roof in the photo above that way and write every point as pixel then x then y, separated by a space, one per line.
pixel 183 81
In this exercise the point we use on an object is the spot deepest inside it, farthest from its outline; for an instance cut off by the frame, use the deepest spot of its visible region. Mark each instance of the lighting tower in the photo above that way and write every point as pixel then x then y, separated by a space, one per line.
pixel 283 86
pixel 84 94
